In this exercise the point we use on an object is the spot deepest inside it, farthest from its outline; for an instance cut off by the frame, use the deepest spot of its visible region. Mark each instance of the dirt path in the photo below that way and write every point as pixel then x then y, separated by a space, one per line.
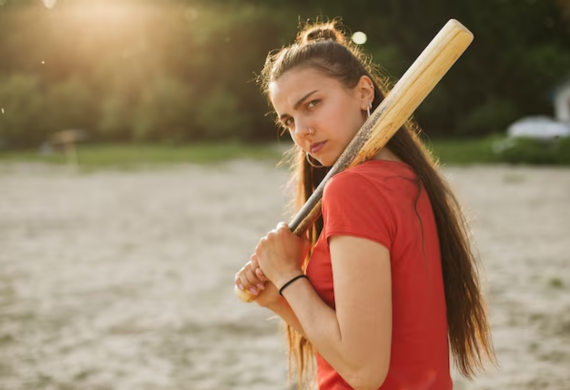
pixel 123 280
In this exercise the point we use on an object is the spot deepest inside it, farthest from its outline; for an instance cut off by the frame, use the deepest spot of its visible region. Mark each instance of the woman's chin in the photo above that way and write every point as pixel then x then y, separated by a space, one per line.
pixel 327 163
pixel 327 160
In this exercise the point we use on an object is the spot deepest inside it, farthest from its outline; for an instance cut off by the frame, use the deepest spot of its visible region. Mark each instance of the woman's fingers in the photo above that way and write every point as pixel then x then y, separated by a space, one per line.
pixel 254 261
pixel 260 275
pixel 254 284
pixel 238 280
pixel 247 280
pixel 258 272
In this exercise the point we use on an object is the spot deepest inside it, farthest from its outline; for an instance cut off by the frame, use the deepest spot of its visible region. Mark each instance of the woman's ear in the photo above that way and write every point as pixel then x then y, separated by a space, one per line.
pixel 365 92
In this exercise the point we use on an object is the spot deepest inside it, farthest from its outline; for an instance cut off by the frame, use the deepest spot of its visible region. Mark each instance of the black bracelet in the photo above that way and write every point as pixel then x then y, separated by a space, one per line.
pixel 291 281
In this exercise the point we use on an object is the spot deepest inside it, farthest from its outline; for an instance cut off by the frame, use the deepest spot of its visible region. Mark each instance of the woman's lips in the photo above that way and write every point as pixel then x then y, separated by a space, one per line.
pixel 317 146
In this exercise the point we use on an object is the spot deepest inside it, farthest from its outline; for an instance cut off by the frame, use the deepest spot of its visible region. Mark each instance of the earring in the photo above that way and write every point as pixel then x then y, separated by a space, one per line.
pixel 308 158
pixel 368 108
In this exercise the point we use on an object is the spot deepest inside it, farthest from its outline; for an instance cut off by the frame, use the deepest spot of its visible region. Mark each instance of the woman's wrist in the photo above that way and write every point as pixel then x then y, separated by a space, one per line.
pixel 291 282
pixel 286 278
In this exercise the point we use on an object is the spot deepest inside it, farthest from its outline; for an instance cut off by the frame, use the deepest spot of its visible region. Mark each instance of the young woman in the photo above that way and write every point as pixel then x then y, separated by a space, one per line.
pixel 385 283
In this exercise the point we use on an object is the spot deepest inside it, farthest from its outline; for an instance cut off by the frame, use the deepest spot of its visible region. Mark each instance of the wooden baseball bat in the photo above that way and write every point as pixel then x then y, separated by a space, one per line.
pixel 418 81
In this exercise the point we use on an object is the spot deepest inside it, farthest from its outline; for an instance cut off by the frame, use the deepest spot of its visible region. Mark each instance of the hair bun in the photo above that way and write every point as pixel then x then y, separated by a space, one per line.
pixel 325 31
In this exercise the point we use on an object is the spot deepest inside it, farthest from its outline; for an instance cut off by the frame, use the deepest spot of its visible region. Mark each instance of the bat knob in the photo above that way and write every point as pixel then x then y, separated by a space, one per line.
pixel 244 296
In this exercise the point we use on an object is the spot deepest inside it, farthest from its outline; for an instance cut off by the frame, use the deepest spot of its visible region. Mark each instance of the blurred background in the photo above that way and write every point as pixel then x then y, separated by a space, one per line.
pixel 179 72
pixel 138 171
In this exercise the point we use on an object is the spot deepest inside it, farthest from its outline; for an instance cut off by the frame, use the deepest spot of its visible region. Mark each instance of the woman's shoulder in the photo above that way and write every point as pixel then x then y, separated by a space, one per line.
pixel 357 198
pixel 383 168
pixel 391 181
pixel 376 172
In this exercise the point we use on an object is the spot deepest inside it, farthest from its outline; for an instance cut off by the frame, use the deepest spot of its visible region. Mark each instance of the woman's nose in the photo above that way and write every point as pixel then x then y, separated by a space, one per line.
pixel 302 129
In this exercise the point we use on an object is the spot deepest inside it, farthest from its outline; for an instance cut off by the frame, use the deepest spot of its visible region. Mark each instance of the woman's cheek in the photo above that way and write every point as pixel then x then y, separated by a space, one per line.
pixel 296 139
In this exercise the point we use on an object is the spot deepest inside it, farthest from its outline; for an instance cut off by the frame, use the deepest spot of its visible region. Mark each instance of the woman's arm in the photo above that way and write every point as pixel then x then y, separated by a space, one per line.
pixel 283 310
pixel 356 338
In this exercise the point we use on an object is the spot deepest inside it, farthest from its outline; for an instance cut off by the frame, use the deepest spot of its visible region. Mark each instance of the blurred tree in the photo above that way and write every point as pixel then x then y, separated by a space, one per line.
pixel 23 108
pixel 165 112
pixel 181 69
pixel 69 105
pixel 220 116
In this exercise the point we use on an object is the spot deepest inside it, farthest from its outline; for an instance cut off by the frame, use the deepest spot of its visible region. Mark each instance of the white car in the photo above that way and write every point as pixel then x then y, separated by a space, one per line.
pixel 539 127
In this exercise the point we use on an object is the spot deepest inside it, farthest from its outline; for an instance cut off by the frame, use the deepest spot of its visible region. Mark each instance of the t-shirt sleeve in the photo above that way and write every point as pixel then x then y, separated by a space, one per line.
pixel 353 206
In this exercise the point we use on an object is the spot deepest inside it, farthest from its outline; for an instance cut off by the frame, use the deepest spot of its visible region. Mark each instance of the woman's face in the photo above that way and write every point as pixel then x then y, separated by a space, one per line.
pixel 307 99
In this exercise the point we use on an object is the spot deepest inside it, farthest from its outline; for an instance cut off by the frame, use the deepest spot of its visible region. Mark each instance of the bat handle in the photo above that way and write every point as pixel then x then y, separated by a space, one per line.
pixel 244 296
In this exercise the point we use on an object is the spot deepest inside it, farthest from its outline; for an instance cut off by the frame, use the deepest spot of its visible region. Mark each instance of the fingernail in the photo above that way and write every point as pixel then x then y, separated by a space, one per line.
pixel 261 286
pixel 240 286
pixel 253 290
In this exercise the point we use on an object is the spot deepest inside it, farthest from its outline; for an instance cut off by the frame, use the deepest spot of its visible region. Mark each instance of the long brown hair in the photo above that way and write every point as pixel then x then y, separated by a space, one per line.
pixel 324 47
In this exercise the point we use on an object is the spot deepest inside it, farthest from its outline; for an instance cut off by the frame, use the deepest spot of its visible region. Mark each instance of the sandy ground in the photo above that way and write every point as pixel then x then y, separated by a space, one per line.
pixel 123 280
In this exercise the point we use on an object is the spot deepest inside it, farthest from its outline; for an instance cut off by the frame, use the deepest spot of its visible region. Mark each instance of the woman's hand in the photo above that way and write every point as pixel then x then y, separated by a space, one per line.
pixel 280 255
pixel 251 278
pixel 269 298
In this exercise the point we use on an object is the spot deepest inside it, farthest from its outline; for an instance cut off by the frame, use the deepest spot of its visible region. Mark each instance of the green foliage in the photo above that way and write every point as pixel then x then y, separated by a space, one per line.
pixel 33 111
pixel 115 119
pixel 135 155
pixel 463 151
pixel 69 105
pixel 23 106
pixel 531 151
pixel 165 111
pixel 221 117
pixel 494 114
pixel 177 70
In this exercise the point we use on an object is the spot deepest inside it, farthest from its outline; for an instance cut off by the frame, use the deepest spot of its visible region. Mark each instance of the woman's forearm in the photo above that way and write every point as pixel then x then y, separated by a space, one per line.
pixel 283 310
pixel 315 317
pixel 320 325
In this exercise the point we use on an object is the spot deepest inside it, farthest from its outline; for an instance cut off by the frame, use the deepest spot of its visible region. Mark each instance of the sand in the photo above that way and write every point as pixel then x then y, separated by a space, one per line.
pixel 123 279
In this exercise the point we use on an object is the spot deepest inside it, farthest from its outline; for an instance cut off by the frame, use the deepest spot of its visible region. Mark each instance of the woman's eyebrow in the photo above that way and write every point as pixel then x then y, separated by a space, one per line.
pixel 298 103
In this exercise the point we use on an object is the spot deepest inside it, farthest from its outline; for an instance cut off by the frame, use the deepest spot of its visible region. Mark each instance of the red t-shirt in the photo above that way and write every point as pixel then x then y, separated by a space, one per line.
pixel 375 200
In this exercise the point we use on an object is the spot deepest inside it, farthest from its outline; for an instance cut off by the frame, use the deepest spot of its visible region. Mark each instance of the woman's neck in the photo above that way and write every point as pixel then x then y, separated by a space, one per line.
pixel 386 154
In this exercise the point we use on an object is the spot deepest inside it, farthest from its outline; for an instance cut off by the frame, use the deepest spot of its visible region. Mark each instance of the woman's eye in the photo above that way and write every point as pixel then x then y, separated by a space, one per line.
pixel 312 103
pixel 288 122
